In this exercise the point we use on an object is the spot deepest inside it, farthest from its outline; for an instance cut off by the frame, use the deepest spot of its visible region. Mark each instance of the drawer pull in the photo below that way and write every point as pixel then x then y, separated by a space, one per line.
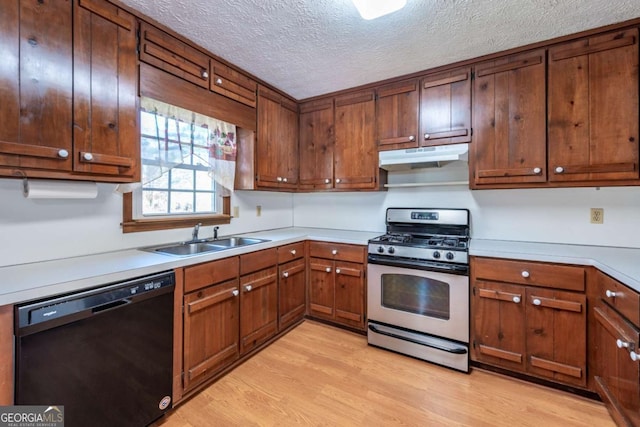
pixel 293 251
pixel 634 356
pixel 537 170
pixel 610 294
pixel 334 252
pixel 87 156
pixel 63 154
pixel 218 81
pixel 536 301
pixel 559 169
pixel 622 344
pixel 204 75
pixel 516 299
pixel 525 274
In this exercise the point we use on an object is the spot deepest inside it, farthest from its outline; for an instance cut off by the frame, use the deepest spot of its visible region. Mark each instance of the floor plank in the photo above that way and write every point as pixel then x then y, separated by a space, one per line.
pixel 317 375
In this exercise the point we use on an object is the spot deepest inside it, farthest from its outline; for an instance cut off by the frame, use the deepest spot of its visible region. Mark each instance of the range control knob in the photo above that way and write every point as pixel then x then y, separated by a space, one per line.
pixel 380 249
pixel 450 256
pixel 391 250
pixel 436 254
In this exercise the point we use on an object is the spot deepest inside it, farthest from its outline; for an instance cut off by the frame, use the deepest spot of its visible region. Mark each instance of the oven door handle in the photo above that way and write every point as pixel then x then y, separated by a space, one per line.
pixel 457 350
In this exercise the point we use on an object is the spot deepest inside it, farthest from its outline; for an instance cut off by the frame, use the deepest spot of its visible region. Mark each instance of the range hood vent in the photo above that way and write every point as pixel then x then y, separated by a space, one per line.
pixel 423 157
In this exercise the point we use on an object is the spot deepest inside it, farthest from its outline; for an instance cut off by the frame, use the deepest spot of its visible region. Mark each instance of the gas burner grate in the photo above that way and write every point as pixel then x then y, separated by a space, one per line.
pixel 396 238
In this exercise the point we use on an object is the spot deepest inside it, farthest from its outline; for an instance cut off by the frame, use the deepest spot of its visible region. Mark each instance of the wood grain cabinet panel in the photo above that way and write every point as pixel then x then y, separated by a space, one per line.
pixel 620 297
pixel 321 288
pixel 349 294
pixel 509 120
pixel 258 308
pixel 317 141
pixel 232 84
pixel 445 107
pixel 291 293
pixel 397 113
pixel 593 108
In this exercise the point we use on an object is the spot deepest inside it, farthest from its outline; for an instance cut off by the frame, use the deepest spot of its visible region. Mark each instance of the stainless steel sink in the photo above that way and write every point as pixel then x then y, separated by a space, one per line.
pixel 204 246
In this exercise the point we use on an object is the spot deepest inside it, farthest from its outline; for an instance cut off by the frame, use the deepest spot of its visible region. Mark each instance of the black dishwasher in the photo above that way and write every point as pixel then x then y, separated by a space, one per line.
pixel 104 354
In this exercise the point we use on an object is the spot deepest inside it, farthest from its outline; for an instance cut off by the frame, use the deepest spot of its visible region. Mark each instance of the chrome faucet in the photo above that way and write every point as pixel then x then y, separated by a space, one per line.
pixel 215 232
pixel 196 229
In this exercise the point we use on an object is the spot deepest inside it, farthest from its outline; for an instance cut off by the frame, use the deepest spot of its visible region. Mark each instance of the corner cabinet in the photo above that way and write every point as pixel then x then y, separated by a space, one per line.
pixel 337 283
pixel 593 109
pixel 509 122
pixel 530 317
pixel 317 142
pixel 277 141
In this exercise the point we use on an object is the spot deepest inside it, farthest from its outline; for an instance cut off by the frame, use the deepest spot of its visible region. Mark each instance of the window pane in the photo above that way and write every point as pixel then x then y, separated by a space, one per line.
pixel 204 181
pixel 148 124
pixel 181 179
pixel 205 202
pixel 152 177
pixel 201 156
pixel 149 149
pixel 155 202
pixel 172 130
pixel 181 202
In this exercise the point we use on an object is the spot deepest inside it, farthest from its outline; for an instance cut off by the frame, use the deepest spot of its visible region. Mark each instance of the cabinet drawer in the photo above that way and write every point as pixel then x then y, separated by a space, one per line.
pixel 530 273
pixel 290 252
pixel 172 55
pixel 623 299
pixel 259 260
pixel 341 251
pixel 201 275
pixel 233 84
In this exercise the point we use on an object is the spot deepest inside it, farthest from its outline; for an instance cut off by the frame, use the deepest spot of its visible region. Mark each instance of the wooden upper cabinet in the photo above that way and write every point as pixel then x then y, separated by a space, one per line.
pixel 233 84
pixel 355 153
pixel 509 120
pixel 317 140
pixel 397 106
pixel 173 56
pixel 36 85
pixel 445 107
pixel 105 76
pixel 277 141
pixel 593 108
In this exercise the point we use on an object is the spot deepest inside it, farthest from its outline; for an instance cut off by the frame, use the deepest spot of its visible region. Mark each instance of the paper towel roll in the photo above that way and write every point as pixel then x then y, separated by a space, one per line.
pixel 52 189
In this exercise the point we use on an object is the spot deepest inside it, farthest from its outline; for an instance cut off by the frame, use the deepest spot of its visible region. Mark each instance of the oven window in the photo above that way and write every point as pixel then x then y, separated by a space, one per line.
pixel 416 294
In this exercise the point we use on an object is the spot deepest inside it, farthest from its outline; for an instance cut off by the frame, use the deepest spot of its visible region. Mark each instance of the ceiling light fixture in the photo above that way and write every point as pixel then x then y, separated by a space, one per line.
pixel 372 9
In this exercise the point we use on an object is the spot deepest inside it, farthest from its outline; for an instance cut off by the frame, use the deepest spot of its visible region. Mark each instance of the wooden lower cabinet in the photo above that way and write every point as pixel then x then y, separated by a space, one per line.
pixel 291 293
pixel 538 330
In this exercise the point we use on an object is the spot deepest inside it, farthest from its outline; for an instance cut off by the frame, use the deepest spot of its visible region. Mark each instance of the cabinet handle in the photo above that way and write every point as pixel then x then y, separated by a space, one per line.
pixel 634 356
pixel 338 180
pixel 337 271
pixel 327 181
pixel 610 294
pixel 293 251
pixel 536 301
pixel 516 300
pixel 219 81
pixel 279 179
pixel 559 169
pixel 427 136
pixel 328 269
pixel 525 274
pixel 412 138
pixel 63 154
pixel 622 344
pixel 204 74
pixel 235 292
pixel 537 170
pixel 334 252
pixel 284 179
pixel 248 288
pixel 285 274
pixel 87 156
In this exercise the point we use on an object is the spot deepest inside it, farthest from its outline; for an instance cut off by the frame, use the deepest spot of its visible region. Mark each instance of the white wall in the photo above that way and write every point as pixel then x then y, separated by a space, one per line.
pixel 33 230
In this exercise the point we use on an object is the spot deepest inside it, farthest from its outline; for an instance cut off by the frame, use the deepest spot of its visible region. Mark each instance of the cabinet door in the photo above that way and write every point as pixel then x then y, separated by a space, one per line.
pixel 321 288
pixel 210 331
pixel 291 293
pixel 36 84
pixel 498 324
pixel 617 376
pixel 105 77
pixel 349 294
pixel 557 335
pixel 258 308
pixel 397 108
pixel 593 108
pixel 316 144
pixel 232 84
pixel 445 107
pixel 509 120
pixel 288 148
pixel 355 156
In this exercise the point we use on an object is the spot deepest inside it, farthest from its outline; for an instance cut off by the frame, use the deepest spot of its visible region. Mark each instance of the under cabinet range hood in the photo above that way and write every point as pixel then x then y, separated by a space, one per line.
pixel 423 157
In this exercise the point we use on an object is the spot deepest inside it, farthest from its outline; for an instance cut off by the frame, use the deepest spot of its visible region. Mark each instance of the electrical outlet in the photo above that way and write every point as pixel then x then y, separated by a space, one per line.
pixel 597 215
pixel 236 211
pixel 258 210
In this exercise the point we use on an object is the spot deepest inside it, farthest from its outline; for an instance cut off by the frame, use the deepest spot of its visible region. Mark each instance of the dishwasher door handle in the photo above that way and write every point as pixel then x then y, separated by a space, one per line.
pixel 109 306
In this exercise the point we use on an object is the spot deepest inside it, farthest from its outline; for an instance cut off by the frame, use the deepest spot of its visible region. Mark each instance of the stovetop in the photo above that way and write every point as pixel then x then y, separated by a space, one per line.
pixel 423 241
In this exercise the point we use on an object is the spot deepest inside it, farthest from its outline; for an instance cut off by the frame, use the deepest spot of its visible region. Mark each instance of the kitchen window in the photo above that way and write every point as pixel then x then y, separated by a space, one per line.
pixel 187 169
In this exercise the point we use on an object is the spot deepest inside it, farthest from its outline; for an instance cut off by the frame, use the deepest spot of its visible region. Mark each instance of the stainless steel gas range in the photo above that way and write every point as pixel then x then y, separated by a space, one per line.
pixel 418 285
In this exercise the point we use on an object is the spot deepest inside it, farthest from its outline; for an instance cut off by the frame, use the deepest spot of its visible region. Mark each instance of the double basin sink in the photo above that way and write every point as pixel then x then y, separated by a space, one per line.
pixel 204 246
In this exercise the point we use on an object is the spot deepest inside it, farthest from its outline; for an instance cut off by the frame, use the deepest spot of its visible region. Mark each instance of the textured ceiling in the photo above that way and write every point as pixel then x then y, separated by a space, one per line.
pixel 312 47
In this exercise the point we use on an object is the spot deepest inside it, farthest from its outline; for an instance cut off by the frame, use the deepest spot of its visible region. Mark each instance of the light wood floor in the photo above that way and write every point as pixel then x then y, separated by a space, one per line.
pixel 317 375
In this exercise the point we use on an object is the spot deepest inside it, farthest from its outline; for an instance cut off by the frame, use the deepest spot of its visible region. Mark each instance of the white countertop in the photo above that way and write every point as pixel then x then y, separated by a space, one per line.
pixel 622 264
pixel 31 281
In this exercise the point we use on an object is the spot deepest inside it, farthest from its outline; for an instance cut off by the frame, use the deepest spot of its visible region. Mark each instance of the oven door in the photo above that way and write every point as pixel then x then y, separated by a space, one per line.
pixel 429 302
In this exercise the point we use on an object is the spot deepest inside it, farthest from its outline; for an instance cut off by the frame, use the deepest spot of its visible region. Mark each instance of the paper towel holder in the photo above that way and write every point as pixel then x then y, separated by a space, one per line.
pixel 58 189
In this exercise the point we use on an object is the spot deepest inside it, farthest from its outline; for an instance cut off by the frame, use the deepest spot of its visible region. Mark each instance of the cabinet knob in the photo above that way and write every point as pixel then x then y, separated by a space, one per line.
pixel 622 344
pixel 516 299
pixel 327 181
pixel 525 274
pixel 87 156
pixel 284 179
pixel 634 356
pixel 412 138
pixel 219 81
pixel 536 301
pixel 279 179
pixel 537 170
pixel 63 154
pixel 559 169
pixel 334 252
pixel 338 180
pixel 328 269
pixel 293 251
pixel 235 292
pixel 610 294
pixel 204 74
pixel 248 288
pixel 337 271
pixel 427 136
pixel 285 274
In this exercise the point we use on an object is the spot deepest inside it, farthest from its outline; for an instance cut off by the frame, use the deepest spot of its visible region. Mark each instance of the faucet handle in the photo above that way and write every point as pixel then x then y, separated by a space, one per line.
pixel 196 229
pixel 215 232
